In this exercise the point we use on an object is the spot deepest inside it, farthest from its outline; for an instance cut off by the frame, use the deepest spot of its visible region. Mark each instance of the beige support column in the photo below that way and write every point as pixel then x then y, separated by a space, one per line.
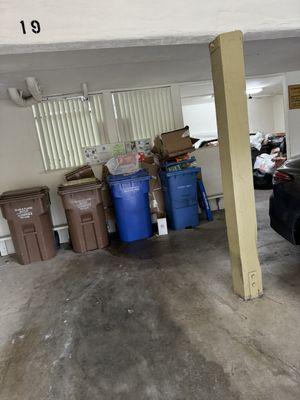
pixel 228 71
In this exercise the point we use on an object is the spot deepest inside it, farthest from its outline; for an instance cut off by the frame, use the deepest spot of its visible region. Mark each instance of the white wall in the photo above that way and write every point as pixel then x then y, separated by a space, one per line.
pixel 21 163
pixel 208 158
pixel 266 114
pixel 114 23
pixel 200 115
pixel 279 113
pixel 292 116
pixel 261 117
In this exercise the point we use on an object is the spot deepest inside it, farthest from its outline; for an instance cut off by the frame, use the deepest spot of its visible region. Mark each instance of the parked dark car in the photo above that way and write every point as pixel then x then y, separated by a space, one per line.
pixel 285 201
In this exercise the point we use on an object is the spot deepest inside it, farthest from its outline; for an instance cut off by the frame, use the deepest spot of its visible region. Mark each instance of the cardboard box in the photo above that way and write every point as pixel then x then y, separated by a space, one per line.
pixel 110 219
pixel 172 144
pixel 157 202
pixel 156 198
pixel 84 171
pixel 106 195
pixel 100 171
pixel 279 161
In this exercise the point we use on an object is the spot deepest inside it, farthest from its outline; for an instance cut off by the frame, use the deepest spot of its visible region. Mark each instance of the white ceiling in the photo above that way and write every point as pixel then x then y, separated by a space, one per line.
pixel 270 85
pixel 62 72
pixel 81 24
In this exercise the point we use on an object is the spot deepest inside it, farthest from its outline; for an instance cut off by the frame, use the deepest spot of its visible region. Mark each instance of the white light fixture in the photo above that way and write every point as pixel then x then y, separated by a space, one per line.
pixel 253 90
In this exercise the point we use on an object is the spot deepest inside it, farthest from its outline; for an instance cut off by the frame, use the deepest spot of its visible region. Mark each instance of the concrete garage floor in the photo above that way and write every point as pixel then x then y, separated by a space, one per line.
pixel 152 320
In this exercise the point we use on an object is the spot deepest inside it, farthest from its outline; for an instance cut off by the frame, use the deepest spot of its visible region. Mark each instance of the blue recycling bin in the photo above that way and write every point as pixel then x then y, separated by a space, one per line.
pixel 131 204
pixel 180 194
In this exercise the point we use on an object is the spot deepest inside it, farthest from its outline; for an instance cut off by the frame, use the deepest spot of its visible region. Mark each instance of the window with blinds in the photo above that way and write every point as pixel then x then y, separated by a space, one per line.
pixel 143 113
pixel 65 126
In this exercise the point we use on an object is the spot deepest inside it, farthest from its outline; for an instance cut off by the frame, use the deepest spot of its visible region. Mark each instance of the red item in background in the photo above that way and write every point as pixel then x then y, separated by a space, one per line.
pixel 142 156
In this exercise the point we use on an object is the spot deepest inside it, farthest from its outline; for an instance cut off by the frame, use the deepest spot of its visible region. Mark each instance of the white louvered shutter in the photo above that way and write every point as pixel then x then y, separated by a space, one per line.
pixel 143 113
pixel 65 126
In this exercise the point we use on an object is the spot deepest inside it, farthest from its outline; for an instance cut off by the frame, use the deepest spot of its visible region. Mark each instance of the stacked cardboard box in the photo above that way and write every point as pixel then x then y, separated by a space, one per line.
pixel 156 198
pixel 172 150
pixel 107 199
pixel 79 173
pixel 173 144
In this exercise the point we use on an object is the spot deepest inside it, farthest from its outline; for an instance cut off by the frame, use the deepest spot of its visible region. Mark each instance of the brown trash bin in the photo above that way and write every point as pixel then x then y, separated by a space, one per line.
pixel 27 212
pixel 80 173
pixel 83 205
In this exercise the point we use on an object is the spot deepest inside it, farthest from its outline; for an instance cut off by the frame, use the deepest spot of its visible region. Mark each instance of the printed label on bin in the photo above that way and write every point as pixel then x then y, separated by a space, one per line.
pixel 130 189
pixel 23 212
pixel 184 186
pixel 83 204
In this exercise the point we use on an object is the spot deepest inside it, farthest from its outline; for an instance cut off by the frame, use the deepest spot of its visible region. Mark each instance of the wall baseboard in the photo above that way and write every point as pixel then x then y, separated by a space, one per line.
pixel 7 247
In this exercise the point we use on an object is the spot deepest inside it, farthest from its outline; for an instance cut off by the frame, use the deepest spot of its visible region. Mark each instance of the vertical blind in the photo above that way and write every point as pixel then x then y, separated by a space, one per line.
pixel 65 126
pixel 143 113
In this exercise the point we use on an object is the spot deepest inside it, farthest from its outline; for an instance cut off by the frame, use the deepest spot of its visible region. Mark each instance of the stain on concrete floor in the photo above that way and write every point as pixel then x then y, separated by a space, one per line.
pixel 153 320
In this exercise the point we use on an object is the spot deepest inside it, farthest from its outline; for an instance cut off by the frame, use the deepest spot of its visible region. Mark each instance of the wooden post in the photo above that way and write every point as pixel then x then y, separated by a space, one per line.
pixel 228 71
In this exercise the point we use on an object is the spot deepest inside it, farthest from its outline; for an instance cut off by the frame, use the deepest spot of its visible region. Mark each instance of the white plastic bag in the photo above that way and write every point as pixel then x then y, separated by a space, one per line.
pixel 264 163
pixel 256 140
pixel 123 164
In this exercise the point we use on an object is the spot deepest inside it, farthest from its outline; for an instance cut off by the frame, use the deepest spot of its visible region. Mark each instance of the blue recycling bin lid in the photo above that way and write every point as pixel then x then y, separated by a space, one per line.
pixel 172 163
pixel 190 170
pixel 140 175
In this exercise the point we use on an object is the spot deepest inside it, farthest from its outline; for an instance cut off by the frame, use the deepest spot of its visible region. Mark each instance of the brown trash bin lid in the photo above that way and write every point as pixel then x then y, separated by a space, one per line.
pixel 24 194
pixel 79 185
